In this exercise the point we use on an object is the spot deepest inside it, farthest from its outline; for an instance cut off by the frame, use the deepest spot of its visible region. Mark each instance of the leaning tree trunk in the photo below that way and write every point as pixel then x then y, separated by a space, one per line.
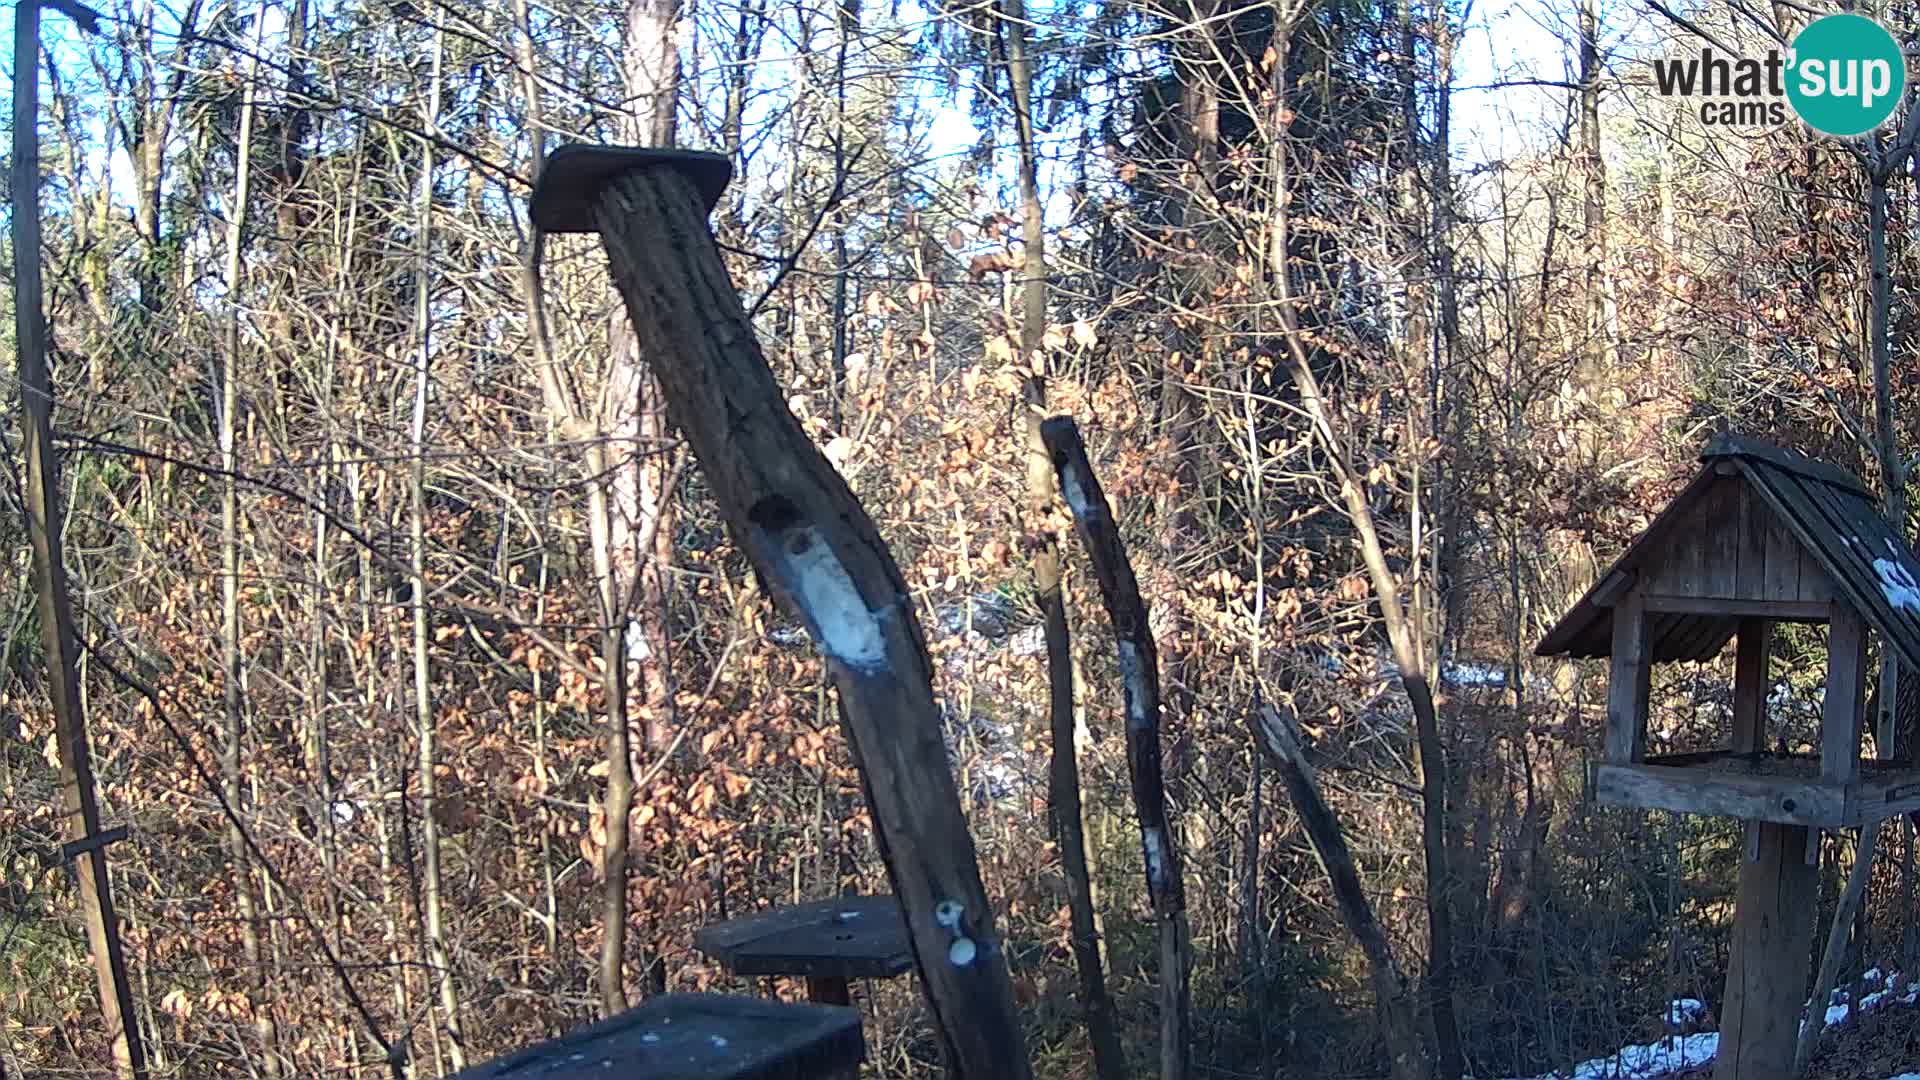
pixel 1140 681
pixel 820 555
pixel 1276 733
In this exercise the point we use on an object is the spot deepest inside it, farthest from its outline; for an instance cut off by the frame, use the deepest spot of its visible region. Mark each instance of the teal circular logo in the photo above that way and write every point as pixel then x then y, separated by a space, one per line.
pixel 1846 75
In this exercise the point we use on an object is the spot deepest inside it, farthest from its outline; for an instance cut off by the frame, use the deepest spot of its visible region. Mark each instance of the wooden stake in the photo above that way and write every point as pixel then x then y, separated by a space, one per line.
pixel 49 569
pixel 1140 684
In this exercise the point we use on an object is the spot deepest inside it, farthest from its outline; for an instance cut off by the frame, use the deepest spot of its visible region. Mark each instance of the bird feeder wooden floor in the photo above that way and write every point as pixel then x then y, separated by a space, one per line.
pixel 696 1037
pixel 1761 536
pixel 827 942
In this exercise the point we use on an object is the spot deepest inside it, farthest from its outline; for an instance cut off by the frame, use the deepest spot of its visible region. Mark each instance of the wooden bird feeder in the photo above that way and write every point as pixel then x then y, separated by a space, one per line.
pixel 696 1037
pixel 1761 536
pixel 828 943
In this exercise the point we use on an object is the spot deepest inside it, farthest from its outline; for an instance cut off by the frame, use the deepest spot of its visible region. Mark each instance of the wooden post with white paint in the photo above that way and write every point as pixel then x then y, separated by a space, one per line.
pixel 816 550
pixel 1140 681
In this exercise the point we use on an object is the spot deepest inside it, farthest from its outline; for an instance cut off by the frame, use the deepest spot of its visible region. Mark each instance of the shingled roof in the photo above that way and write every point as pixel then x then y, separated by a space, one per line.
pixel 1832 515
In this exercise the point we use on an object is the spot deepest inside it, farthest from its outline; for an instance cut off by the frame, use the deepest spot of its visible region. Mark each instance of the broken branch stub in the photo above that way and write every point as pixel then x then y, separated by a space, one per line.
pixel 1140 682
pixel 821 558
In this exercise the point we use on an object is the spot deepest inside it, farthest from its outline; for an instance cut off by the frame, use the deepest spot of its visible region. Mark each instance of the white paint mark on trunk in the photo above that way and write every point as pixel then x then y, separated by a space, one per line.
pixel 842 625
pixel 1076 493
pixel 1133 678
pixel 962 952
pixel 1155 843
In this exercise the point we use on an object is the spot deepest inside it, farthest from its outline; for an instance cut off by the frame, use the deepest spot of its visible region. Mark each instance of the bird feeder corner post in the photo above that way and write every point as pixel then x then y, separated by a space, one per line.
pixel 816 549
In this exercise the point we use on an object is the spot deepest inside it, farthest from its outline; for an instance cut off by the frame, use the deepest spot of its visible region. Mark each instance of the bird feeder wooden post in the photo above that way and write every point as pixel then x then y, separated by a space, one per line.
pixel 816 550
pixel 1761 536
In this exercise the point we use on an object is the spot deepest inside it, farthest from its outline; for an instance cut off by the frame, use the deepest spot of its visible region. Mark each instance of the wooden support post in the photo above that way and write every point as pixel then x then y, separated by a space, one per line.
pixel 828 990
pixel 1750 685
pixel 1770 959
pixel 1629 681
pixel 1841 711
pixel 49 566
pixel 819 554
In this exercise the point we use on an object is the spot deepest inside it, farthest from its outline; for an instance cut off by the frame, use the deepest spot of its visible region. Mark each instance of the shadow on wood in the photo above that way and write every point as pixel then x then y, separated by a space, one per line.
pixel 696 1037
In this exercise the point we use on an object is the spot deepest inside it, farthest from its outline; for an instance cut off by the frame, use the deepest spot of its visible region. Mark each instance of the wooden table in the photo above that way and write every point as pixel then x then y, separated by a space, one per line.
pixel 827 942
pixel 696 1037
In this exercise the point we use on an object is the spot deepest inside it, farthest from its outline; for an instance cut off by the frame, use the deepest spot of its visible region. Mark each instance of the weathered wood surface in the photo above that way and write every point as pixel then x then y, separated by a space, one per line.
pixel 1843 708
pixel 822 559
pixel 1770 959
pixel 1139 662
pixel 852 937
pixel 1754 647
pixel 1277 735
pixel 695 1037
pixel 1700 789
pixel 1629 681
pixel 40 493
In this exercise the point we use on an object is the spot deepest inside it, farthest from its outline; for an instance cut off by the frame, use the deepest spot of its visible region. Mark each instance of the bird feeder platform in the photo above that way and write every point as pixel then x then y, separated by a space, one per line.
pixel 827 942
pixel 1761 536
pixel 696 1037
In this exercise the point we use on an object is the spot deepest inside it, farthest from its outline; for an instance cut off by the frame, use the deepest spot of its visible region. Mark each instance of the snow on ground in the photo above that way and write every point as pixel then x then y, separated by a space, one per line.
pixel 1670 1055
pixel 1677 1053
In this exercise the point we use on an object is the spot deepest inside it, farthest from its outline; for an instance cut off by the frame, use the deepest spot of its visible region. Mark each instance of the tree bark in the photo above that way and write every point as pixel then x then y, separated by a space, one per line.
pixel 439 963
pixel 53 605
pixel 1140 680
pixel 821 557
pixel 1282 742
pixel 1043 547
pixel 1836 948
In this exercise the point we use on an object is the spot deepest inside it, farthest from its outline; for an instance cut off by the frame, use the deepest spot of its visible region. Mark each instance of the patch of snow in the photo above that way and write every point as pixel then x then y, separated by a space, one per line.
pixel 1899 587
pixel 1677 1053
pixel 719 1042
pixel 1468 674
pixel 1685 1010
pixel 1669 1055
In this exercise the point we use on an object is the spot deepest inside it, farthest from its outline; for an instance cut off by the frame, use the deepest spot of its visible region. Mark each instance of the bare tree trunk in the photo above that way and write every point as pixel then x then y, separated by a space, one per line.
pixel 52 603
pixel 1140 680
pixel 1282 742
pixel 1429 760
pixel 441 968
pixel 1836 948
pixel 1043 547
pixel 230 662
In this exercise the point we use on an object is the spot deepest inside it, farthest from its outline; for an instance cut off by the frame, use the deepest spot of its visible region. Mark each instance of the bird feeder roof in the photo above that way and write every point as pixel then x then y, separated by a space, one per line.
pixel 1753 502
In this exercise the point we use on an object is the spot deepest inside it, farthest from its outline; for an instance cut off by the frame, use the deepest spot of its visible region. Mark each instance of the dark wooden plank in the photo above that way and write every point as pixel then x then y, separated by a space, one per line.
pixel 1888 795
pixel 1705 790
pixel 1783 458
pixel 1755 527
pixel 1628 682
pixel 1842 707
pixel 695 1037
pixel 1770 959
pixel 852 937
pixel 1783 610
pixel 1750 685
